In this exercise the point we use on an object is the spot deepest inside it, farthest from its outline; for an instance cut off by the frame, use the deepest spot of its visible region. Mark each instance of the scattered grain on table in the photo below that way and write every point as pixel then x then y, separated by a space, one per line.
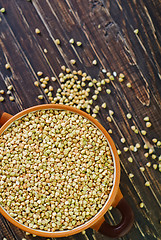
pixel 108 91
pixel 148 124
pixel 131 175
pixel 39 73
pixel 125 149
pixel 114 74
pixel 71 41
pixel 107 80
pixel 155 166
pixel 36 83
pixel 123 140
pixel 104 70
pixel 1 99
pixel 8 92
pixel 109 119
pixel 154 156
pixel 129 85
pixel 111 112
pixel 94 62
pixel 7 66
pixel 121 79
pixel 137 145
pixel 142 169
pixel 130 159
pixel 11 98
pixel 136 31
pixel 151 150
pixel 121 75
pixel 57 41
pixel 119 152
pixel 111 78
pixel 154 140
pixel 108 74
pixel 141 205
pixel 146 119
pixel 53 79
pixel 146 146
pixel 40 97
pixel 10 87
pixel 27 233
pixel 143 132
pixel 94 97
pixel 110 131
pixel 147 183
pixel 2 10
pixel 148 164
pixel 79 43
pixel 133 127
pixel 73 61
pixel 131 147
pixel 129 116
pixel 146 154
pixel 37 31
pixel 104 105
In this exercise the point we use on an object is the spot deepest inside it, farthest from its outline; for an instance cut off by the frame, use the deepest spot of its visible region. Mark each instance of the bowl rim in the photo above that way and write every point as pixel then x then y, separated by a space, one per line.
pixel 96 218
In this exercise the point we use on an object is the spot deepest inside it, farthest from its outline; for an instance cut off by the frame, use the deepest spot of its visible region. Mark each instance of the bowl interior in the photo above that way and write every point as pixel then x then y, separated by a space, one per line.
pixel 116 180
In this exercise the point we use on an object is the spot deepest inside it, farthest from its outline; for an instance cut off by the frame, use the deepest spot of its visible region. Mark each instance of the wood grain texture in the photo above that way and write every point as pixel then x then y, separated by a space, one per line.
pixel 106 30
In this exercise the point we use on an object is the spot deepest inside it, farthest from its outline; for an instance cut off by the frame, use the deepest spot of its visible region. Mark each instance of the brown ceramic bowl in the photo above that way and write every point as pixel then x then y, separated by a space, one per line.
pixel 115 198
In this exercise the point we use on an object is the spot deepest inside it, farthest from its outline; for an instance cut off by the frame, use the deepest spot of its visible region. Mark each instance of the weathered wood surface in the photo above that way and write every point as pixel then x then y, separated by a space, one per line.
pixel 106 30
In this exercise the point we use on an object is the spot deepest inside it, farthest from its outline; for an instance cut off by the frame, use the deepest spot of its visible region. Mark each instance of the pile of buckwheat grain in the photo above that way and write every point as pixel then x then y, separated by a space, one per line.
pixel 56 170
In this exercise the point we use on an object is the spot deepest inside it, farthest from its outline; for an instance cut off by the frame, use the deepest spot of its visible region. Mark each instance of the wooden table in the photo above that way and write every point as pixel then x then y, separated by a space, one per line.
pixel 108 33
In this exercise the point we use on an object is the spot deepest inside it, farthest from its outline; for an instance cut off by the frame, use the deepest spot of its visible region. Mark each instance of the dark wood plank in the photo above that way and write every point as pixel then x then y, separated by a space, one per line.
pixel 147 44
pixel 142 94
